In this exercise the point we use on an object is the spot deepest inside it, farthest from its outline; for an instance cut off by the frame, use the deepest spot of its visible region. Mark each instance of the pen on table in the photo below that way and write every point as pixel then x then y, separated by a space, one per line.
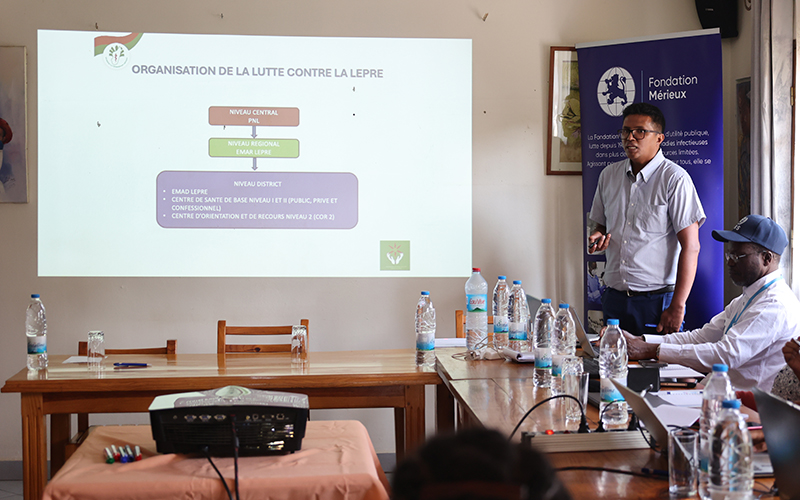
pixel 130 365
pixel 655 472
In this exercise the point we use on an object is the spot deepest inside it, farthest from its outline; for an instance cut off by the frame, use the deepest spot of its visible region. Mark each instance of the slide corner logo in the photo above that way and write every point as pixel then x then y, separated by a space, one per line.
pixel 615 91
pixel 116 49
pixel 395 255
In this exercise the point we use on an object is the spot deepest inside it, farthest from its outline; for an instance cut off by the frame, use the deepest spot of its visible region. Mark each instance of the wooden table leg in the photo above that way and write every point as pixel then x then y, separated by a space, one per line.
pixel 415 416
pixel 399 434
pixel 445 409
pixel 59 436
pixel 34 446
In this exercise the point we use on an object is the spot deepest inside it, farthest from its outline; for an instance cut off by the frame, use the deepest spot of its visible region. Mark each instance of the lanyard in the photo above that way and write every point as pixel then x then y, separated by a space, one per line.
pixel 737 317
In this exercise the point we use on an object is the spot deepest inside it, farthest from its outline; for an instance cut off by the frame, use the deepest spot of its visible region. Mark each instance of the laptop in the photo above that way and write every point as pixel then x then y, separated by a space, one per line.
pixel 588 349
pixel 781 425
pixel 647 415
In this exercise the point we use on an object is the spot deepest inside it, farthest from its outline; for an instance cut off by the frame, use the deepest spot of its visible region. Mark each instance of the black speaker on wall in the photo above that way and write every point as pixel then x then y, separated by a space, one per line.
pixel 722 14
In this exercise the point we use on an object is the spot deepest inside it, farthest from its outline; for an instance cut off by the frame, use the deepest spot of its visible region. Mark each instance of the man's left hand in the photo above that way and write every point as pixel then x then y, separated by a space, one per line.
pixel 638 348
pixel 671 319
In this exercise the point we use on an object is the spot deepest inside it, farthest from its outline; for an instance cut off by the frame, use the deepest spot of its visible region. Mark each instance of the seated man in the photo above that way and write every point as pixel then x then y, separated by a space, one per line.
pixel 749 334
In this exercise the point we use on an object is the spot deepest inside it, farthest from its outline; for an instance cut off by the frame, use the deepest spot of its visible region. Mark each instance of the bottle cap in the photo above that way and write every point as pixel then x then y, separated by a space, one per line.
pixel 546 301
pixel 732 403
pixel 517 282
pixel 719 367
pixel 476 269
pixel 563 306
pixel 614 322
pixel 501 277
pixel 426 293
pixel 34 295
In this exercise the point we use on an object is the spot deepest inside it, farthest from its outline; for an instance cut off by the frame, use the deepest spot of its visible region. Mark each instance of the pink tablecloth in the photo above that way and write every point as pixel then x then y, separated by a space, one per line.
pixel 337 461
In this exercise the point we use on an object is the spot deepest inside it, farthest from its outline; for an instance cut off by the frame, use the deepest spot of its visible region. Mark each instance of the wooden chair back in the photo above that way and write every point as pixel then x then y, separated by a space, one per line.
pixel 224 331
pixel 461 321
pixel 83 349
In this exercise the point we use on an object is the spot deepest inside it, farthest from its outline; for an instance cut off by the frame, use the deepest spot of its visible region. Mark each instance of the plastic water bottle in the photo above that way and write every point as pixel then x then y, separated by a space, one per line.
pixel 730 469
pixel 518 318
pixel 563 344
pixel 541 344
pixel 425 327
pixel 476 321
pixel 36 331
pixel 613 365
pixel 717 390
pixel 500 313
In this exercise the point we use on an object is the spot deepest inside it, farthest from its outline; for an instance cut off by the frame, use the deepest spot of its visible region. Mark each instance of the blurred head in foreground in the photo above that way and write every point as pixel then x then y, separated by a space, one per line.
pixel 476 464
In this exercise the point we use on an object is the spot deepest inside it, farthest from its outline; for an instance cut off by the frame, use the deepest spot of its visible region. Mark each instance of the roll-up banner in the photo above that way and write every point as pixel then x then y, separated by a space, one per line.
pixel 680 73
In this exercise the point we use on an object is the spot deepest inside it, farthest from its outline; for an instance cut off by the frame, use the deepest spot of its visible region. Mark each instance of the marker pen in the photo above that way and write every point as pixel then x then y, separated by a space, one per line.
pixel 129 451
pixel 138 455
pixel 117 454
pixel 109 456
pixel 119 366
pixel 124 457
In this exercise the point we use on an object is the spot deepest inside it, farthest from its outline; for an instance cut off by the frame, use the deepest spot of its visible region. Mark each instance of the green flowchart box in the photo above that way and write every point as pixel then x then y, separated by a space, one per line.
pixel 254 148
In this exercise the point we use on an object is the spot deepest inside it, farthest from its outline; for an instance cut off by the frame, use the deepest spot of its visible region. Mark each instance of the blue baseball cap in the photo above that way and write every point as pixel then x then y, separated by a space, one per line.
pixel 756 229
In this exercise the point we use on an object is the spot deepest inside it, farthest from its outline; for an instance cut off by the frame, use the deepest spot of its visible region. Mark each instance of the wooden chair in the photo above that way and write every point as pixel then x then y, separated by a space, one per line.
pixel 223 331
pixel 83 418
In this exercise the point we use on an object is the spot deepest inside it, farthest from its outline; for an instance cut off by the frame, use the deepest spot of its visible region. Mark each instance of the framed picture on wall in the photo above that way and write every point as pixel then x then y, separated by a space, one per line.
pixel 564 117
pixel 13 127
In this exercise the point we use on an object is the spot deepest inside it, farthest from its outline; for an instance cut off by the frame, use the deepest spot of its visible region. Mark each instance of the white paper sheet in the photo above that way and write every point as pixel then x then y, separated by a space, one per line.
pixel 687 399
pixel 679 371
pixel 77 359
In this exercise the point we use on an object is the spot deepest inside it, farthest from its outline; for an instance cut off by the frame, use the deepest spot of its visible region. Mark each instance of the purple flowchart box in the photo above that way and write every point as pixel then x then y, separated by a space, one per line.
pixel 265 200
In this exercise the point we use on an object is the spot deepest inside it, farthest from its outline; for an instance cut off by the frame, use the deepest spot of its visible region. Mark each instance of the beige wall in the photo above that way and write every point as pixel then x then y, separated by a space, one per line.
pixel 526 224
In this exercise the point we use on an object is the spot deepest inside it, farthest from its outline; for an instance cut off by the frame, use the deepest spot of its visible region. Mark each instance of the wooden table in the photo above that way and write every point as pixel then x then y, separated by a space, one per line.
pixel 336 462
pixel 496 394
pixel 351 379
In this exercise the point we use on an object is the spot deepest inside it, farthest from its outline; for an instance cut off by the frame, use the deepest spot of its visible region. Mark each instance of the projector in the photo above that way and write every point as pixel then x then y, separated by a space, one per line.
pixel 265 422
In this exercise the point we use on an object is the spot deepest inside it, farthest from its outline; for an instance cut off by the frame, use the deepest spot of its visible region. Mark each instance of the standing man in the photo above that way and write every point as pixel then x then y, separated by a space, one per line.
pixel 647 216
pixel 749 334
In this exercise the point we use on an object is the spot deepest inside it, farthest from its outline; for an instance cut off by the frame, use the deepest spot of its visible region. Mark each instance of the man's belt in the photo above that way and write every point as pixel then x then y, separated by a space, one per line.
pixel 633 293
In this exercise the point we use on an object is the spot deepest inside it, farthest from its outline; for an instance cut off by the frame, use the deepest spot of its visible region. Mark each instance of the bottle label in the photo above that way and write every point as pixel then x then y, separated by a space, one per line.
pixel 424 344
pixel 476 303
pixel 37 345
pixel 516 331
pixel 500 325
pixel 543 358
pixel 609 393
pixel 558 360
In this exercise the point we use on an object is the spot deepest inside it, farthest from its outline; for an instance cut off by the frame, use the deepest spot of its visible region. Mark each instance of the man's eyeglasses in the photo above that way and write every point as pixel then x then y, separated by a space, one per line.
pixel 737 258
pixel 638 133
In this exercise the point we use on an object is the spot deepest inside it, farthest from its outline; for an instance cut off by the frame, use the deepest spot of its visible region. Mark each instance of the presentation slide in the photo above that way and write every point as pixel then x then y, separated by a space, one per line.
pixel 229 155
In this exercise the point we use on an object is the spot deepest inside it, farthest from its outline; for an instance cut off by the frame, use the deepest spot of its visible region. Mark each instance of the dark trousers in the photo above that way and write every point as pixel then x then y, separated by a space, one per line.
pixel 635 312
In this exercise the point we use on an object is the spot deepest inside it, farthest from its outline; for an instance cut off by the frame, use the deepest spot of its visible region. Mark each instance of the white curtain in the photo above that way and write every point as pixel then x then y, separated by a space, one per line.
pixel 771 134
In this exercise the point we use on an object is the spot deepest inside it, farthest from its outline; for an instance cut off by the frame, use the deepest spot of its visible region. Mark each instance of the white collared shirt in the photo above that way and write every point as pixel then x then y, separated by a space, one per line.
pixel 751 347
pixel 644 215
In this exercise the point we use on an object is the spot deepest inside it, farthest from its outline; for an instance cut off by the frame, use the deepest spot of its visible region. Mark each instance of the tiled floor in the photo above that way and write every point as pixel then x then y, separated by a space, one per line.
pixel 11 490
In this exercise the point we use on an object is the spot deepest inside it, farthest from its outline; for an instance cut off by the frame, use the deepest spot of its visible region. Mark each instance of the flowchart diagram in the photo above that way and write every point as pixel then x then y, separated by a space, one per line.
pixel 286 200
